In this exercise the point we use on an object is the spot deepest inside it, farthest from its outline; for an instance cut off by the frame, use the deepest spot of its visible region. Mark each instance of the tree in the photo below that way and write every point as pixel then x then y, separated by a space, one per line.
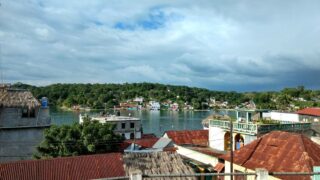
pixel 91 137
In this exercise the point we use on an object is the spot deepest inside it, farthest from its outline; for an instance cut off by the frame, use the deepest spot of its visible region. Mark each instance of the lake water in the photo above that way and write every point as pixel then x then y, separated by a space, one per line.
pixel 156 122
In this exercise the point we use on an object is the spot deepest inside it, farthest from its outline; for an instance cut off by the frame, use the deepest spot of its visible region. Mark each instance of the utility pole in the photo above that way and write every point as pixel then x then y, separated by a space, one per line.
pixel 231 148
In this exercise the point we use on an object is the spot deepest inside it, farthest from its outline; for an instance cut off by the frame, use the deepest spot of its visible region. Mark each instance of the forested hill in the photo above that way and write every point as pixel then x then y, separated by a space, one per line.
pixel 107 95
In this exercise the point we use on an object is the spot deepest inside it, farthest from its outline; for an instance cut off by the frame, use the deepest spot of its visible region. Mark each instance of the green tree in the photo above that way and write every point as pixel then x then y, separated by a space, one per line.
pixel 91 137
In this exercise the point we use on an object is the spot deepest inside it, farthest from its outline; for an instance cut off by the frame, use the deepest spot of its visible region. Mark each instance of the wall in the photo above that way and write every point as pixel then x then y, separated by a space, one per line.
pixel 306 118
pixel 281 116
pixel 203 158
pixel 11 117
pixel 242 169
pixel 248 139
pixel 216 138
pixel 19 143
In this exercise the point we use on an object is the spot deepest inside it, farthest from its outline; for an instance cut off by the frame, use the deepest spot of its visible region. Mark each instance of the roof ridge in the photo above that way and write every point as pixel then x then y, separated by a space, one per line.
pixel 251 154
pixel 305 151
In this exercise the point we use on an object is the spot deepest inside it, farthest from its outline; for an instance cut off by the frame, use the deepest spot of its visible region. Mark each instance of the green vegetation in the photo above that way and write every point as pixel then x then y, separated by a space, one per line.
pixel 101 96
pixel 91 137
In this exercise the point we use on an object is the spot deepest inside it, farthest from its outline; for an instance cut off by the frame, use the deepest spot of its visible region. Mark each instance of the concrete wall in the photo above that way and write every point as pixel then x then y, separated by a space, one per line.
pixel 127 130
pixel 12 117
pixel 312 119
pixel 237 168
pixel 203 158
pixel 281 116
pixel 216 138
pixel 19 143
pixel 248 139
pixel 127 135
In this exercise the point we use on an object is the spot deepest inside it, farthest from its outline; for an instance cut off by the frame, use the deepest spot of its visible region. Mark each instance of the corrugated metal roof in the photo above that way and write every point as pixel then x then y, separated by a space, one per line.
pixel 189 137
pixel 77 168
pixel 147 142
pixel 310 111
pixel 162 143
pixel 279 152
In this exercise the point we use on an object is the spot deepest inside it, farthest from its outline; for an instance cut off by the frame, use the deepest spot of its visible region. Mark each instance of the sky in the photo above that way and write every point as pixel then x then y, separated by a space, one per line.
pixel 237 45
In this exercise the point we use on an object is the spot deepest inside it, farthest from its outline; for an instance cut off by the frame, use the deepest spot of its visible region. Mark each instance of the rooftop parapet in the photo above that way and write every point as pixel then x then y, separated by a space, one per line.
pixel 260 128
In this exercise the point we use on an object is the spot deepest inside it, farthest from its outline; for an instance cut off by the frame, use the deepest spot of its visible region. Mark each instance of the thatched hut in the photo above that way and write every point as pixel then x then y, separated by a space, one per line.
pixel 157 163
pixel 11 98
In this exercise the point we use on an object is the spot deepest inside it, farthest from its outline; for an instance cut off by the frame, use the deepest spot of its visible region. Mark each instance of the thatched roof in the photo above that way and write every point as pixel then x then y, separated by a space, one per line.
pixel 215 116
pixel 157 163
pixel 17 98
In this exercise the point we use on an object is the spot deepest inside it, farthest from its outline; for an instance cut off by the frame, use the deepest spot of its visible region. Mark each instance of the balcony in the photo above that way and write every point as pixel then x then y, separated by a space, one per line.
pixel 256 128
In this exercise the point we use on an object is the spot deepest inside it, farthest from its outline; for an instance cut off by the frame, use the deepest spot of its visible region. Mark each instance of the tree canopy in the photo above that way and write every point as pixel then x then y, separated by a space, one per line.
pixel 90 137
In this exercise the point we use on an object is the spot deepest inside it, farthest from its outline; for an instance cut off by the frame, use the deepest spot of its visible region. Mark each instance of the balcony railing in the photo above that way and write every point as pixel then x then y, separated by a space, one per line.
pixel 254 129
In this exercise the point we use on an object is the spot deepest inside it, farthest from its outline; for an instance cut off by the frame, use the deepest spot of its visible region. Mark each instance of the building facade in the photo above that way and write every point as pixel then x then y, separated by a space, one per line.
pixel 22 122
pixel 128 127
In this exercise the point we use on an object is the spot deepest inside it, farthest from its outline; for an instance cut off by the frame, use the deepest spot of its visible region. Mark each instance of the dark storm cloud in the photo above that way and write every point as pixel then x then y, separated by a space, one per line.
pixel 224 45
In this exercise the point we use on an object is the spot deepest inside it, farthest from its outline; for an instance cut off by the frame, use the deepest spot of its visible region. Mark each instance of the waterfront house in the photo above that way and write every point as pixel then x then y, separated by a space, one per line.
pixel 22 122
pixel 154 105
pixel 310 114
pixel 128 127
pixel 276 151
pixel 138 100
pixel 247 127
pixel 174 107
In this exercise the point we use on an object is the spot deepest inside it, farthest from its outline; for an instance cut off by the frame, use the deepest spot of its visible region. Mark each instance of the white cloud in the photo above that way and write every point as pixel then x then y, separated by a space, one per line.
pixel 232 45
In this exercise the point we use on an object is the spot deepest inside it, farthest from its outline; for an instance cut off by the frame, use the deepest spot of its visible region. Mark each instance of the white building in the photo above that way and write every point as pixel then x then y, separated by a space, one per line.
pixel 246 129
pixel 128 127
pixel 281 116
pixel 138 100
pixel 154 105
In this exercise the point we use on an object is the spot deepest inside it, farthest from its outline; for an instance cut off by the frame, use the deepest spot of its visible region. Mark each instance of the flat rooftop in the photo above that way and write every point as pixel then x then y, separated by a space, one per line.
pixel 115 118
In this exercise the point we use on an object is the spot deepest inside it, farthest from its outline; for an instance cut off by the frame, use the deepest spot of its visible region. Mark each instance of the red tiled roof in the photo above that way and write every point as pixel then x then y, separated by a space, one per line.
pixel 279 152
pixel 147 142
pixel 310 111
pixel 189 137
pixel 148 136
pixel 80 167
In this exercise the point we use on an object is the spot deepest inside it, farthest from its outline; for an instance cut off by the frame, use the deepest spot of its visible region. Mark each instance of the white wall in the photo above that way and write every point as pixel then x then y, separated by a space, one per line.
pixel 203 158
pixel 216 138
pixel 248 139
pixel 281 116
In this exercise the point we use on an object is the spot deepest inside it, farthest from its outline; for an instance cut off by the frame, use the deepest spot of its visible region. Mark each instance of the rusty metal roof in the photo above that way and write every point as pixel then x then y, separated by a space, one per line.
pixel 310 111
pixel 190 137
pixel 279 152
pixel 78 168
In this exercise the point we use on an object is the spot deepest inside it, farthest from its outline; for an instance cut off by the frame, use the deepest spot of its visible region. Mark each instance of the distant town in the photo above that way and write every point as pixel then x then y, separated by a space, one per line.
pixel 261 142
pixel 154 96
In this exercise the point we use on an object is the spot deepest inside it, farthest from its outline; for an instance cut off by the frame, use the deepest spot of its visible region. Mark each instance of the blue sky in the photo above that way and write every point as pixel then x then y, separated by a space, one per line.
pixel 222 45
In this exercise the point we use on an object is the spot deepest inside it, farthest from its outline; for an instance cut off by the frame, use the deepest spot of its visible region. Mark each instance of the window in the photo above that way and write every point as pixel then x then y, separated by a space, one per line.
pixel 131 125
pixel 123 125
pixel 25 113
pixel 28 113
pixel 131 135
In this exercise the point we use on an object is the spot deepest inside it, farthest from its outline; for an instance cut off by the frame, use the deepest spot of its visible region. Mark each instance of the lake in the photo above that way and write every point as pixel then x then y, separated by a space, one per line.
pixel 156 122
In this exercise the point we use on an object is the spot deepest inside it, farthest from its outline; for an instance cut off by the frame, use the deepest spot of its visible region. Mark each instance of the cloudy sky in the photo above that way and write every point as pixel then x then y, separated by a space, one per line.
pixel 222 45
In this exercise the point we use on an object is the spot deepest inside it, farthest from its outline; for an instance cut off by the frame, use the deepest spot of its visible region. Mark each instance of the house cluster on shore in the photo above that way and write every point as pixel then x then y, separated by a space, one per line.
pixel 264 145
